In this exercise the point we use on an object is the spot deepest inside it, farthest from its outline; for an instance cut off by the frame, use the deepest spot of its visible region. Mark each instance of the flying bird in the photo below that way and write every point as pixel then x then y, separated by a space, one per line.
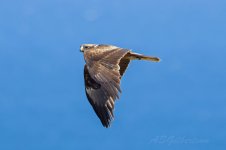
pixel 104 68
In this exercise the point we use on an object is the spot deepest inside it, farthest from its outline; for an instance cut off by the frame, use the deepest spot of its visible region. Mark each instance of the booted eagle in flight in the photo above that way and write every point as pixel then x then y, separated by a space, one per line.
pixel 105 66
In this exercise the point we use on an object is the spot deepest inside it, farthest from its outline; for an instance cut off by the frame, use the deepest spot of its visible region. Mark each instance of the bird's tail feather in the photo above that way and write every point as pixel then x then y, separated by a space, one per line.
pixel 136 56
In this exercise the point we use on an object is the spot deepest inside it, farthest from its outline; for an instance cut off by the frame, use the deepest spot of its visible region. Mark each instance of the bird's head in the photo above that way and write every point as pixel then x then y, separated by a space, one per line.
pixel 85 47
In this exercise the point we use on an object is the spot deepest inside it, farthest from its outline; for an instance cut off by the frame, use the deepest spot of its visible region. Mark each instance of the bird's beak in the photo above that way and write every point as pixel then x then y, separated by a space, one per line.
pixel 81 49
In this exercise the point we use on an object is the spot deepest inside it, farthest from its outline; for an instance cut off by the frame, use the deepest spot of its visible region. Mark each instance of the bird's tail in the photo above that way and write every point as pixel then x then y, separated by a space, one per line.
pixel 136 56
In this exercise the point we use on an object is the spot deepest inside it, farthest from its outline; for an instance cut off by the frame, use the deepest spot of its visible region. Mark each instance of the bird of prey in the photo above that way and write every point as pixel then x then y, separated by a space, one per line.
pixel 105 66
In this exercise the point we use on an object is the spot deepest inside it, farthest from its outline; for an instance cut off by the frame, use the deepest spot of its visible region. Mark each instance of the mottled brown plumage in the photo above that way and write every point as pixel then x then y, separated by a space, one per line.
pixel 105 65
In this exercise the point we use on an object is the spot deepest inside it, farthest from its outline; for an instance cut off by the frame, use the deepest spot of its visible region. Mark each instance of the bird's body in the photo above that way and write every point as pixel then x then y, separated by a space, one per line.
pixel 105 65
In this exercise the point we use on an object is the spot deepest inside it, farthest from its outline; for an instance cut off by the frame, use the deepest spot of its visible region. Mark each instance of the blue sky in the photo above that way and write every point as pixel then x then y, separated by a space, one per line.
pixel 179 103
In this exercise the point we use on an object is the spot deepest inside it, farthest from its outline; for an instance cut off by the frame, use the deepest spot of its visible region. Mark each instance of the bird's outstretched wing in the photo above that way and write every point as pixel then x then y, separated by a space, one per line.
pixel 102 82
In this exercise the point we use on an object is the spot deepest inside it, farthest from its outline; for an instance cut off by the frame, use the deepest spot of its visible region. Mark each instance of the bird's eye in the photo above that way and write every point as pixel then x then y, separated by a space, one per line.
pixel 86 47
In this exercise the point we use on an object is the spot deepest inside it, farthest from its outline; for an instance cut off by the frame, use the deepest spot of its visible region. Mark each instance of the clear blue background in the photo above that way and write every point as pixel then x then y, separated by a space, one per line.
pixel 163 105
